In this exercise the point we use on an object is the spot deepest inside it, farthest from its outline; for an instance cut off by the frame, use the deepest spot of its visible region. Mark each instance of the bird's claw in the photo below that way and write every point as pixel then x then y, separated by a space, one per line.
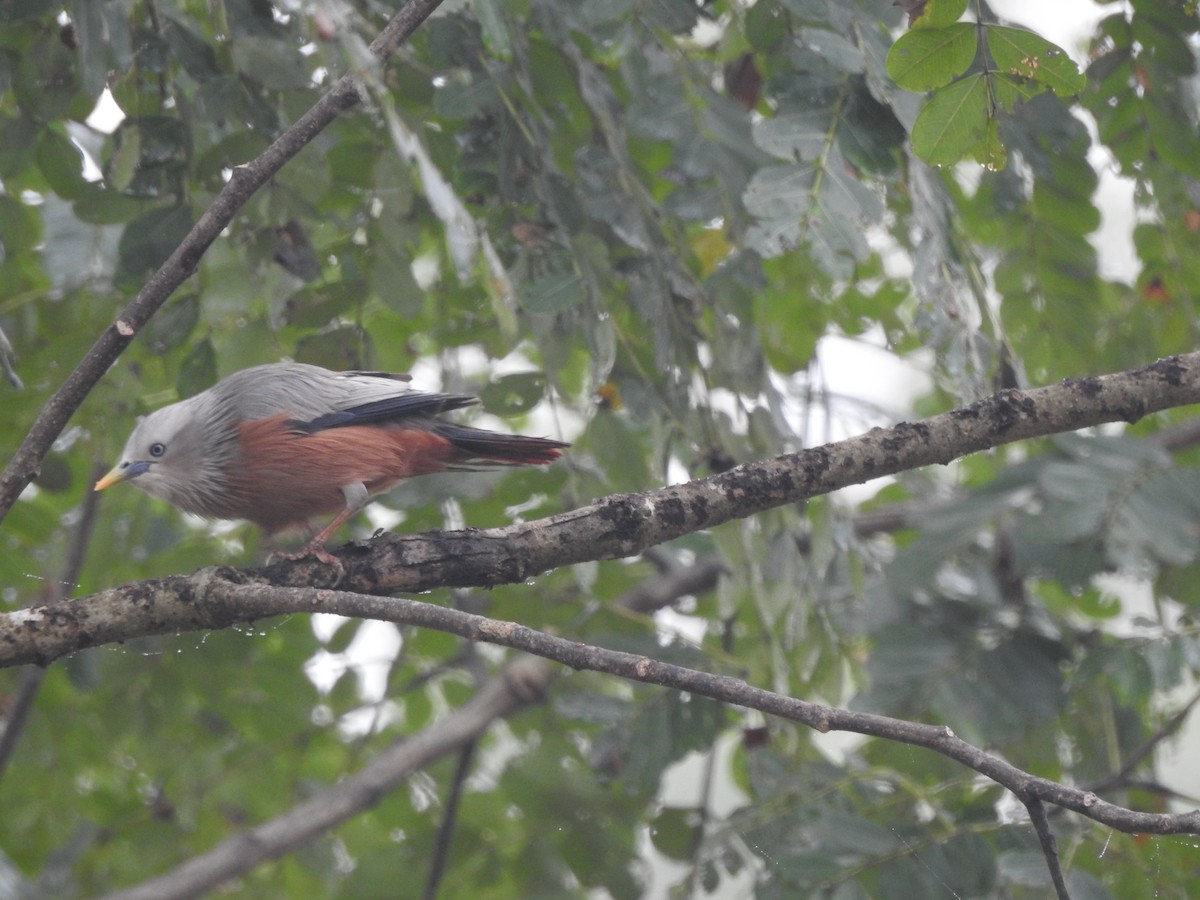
pixel 317 552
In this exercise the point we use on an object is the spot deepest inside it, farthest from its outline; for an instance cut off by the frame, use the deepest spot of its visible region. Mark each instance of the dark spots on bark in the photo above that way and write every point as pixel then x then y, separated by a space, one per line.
pixel 816 463
pixel 699 509
pixel 766 486
pixel 672 513
pixel 966 414
pixel 614 509
pixel 904 435
pixel 908 432
pixel 626 516
pixel 1010 408
pixel 1170 371
pixel 1087 387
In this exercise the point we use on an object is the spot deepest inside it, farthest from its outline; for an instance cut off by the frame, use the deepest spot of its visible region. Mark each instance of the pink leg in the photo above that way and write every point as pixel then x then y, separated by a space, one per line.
pixel 316 547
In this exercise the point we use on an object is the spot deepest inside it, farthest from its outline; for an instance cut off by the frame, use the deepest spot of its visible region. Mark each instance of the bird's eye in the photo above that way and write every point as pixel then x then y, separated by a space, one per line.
pixel 157 449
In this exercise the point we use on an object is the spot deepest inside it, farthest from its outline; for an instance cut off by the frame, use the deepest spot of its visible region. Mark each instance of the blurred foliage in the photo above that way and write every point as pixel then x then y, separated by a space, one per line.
pixel 631 224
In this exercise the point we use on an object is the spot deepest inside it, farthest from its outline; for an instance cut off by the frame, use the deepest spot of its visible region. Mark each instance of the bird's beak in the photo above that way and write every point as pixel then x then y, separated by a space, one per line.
pixel 116 475
pixel 122 472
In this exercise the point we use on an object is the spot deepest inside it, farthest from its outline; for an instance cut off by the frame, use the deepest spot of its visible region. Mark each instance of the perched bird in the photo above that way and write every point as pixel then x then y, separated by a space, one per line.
pixel 283 443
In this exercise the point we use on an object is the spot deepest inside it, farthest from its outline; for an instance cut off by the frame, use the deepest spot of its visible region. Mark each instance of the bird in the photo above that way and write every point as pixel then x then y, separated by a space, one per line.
pixel 284 443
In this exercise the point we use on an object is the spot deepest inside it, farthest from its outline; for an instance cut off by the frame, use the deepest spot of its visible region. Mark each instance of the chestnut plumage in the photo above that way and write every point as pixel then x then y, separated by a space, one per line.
pixel 283 443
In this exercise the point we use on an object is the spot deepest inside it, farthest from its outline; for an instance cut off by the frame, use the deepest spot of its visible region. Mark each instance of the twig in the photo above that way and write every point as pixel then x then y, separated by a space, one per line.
pixel 1041 825
pixel 53 590
pixel 441 845
pixel 1170 727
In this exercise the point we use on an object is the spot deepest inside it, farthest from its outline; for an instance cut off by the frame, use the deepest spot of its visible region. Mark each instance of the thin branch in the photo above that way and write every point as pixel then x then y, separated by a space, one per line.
pixel 227 602
pixel 245 181
pixel 1041 825
pixel 674 582
pixel 904 514
pixel 1170 727
pixel 527 677
pixel 53 591
pixel 520 683
pixel 445 833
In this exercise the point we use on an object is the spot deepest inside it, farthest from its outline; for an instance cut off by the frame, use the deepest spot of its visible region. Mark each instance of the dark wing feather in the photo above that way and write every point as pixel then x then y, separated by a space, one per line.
pixel 477 447
pixel 411 405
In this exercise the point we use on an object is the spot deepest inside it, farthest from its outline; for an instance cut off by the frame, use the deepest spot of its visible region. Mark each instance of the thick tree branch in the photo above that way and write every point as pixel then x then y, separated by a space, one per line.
pixel 246 180
pixel 616 526
pixel 244 602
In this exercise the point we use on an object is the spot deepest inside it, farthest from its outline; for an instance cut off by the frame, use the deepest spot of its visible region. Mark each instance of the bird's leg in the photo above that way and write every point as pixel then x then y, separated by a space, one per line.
pixel 356 498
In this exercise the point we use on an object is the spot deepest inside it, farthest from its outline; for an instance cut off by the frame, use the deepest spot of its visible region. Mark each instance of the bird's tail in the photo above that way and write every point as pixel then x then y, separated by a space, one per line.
pixel 478 447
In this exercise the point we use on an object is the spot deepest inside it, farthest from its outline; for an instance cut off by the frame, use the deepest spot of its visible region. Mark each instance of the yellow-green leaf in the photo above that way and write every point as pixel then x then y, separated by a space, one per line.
pixel 1020 52
pixel 953 123
pixel 940 13
pixel 928 58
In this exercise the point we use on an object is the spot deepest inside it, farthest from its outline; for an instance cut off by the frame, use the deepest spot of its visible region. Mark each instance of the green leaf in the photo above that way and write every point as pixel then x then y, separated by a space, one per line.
pixel 957 121
pixel 940 13
pixel 194 53
pixel 61 162
pixel 198 371
pixel 1010 91
pixel 20 225
pixel 172 324
pixel 495 28
pixel 340 349
pixel 551 294
pixel 149 239
pixel 513 394
pixel 1028 55
pixel 676 832
pixel 795 136
pixel 928 58
pixel 46 79
pixel 274 64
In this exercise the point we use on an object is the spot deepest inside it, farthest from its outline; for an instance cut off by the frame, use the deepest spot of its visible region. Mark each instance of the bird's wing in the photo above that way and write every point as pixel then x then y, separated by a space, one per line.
pixel 304 392
pixel 410 405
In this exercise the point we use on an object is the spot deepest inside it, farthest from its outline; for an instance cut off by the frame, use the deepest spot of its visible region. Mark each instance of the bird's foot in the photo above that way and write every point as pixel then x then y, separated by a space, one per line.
pixel 312 550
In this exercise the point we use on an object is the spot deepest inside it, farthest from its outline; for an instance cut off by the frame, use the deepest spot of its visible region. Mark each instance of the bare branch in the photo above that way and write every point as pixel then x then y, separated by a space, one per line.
pixel 518 684
pixel 1122 777
pixel 53 591
pixel 226 602
pixel 1041 826
pixel 527 677
pixel 441 846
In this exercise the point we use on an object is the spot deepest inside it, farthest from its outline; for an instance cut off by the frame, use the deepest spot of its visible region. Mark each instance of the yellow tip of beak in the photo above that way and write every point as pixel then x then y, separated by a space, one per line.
pixel 109 480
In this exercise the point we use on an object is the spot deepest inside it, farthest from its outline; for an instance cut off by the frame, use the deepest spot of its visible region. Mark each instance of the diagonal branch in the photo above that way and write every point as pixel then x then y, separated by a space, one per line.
pixel 521 682
pixel 258 601
pixel 245 181
pixel 613 527
pixel 526 679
